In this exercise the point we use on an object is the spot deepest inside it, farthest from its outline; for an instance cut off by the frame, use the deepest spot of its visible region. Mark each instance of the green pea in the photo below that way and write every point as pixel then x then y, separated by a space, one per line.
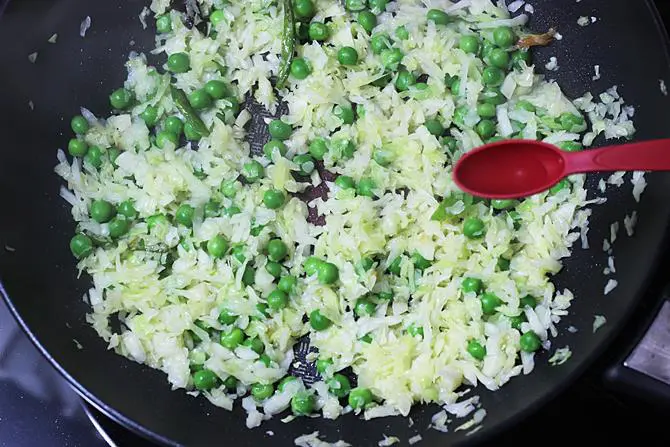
pixel 328 273
pixel 318 31
pixel 366 187
pixel 503 36
pixel 273 199
pixel 164 137
pixel 318 148
pixel 190 133
pixel 404 80
pixel 261 391
pixel 79 124
pixel 364 307
pixel 212 209
pixel 420 262
pixel 344 112
pixel 391 58
pixel 359 397
pixel 81 245
pixel 517 320
pixel 521 58
pixel 127 208
pixel 217 246
pixel 438 16
pixel 318 321
pixel 379 43
pixel 287 284
pixel 493 96
pixel 339 385
pixel 456 86
pixel 272 145
pixel 367 20
pixel 499 58
pixel 493 76
pixel 450 143
pixel 118 227
pixel 277 250
pixel 120 98
pixel 179 63
pixel 102 211
pixel 345 182
pixel 469 44
pixel 285 381
pixel 565 183
pixel 216 17
pixel 473 227
pixel 265 359
pixel 199 99
pixel 569 121
pixel 204 379
pixel 569 146
pixel 249 276
pixel 227 317
pixel 414 330
pixel 157 220
pixel 94 156
pixel 149 116
pixel 434 126
pixel 471 285
pixel 401 33
pixel 486 110
pixel 528 300
pixel 355 5
pixel 216 89
pixel 490 303
pixel 253 171
pixel 279 130
pixel 386 296
pixel 255 344
pixel 500 204
pixel 184 215
pixel 302 403
pixel 476 349
pixel 77 148
pixel 485 128
pixel 530 342
pixel 322 365
pixel 347 56
pixel 274 269
pixel 229 187
pixel 303 9
pixel 163 24
pixel 377 6
pixel 394 266
pixel 238 252
pixel 232 339
pixel 300 69
pixel 311 265
pixel 277 299
pixel 230 383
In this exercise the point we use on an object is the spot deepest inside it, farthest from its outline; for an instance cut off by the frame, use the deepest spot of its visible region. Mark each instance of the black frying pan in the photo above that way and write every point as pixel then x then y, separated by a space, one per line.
pixel 38 278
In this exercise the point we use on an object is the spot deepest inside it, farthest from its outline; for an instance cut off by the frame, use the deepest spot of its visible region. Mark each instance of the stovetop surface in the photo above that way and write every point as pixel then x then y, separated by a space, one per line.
pixel 38 408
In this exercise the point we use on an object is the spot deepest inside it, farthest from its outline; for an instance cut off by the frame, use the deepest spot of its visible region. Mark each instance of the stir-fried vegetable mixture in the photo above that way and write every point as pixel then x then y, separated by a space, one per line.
pixel 208 258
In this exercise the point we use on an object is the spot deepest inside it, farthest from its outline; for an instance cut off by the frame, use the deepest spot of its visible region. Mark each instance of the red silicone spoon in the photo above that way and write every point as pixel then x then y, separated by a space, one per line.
pixel 518 168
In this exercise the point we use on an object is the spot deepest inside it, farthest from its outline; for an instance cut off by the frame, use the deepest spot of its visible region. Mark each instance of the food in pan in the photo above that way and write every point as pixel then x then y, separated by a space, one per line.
pixel 208 264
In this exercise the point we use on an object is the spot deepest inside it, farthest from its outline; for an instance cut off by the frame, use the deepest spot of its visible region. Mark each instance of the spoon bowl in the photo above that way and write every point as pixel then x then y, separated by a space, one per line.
pixel 512 169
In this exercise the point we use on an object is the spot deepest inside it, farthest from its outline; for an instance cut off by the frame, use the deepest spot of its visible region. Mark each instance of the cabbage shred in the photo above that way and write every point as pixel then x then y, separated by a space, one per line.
pixel 398 243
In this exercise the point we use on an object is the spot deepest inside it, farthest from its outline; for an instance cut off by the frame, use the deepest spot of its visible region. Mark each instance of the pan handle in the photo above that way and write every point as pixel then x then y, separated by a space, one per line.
pixel 643 371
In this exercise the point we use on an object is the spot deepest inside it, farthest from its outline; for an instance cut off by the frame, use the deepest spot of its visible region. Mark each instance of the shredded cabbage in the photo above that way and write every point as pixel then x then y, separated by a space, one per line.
pixel 398 315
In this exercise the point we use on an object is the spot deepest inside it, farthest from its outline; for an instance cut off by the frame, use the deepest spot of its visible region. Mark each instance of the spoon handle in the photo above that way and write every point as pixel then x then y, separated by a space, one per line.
pixel 652 155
